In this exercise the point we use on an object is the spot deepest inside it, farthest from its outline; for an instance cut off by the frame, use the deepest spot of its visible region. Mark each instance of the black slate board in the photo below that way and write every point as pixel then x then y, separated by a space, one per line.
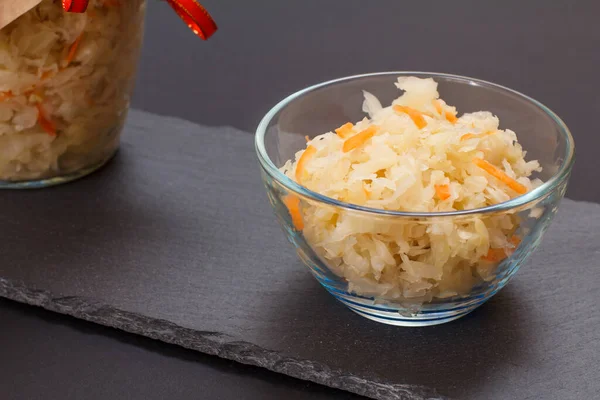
pixel 102 363
pixel 175 240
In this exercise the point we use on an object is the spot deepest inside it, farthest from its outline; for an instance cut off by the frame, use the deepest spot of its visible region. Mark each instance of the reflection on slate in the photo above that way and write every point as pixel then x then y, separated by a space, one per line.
pixel 175 240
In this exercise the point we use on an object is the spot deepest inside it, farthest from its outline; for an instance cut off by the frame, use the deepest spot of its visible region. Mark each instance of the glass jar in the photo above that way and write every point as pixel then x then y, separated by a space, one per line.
pixel 65 85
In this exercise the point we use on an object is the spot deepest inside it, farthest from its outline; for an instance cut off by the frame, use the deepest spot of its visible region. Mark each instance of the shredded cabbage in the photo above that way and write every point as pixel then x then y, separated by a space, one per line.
pixel 421 158
pixel 65 81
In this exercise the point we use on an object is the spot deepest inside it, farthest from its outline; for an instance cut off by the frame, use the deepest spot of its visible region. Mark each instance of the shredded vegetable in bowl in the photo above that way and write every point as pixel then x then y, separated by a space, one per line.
pixel 65 81
pixel 416 155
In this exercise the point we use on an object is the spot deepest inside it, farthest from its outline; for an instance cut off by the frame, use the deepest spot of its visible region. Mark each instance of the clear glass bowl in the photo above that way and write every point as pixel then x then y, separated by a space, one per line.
pixel 325 106
pixel 65 85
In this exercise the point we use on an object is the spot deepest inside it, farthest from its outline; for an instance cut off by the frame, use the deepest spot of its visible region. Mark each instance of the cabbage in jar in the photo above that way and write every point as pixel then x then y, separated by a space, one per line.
pixel 65 85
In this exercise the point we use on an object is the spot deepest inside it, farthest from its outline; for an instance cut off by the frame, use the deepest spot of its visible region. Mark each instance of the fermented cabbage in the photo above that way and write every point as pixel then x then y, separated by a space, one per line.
pixel 416 155
pixel 65 81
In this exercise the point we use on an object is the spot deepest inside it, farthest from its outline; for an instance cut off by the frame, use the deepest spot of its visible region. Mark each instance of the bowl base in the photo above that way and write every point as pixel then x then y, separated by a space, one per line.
pixel 407 322
pixel 400 316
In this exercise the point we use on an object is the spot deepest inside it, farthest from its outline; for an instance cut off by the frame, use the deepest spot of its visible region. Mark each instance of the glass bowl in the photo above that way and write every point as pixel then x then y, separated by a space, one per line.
pixel 326 106
pixel 65 89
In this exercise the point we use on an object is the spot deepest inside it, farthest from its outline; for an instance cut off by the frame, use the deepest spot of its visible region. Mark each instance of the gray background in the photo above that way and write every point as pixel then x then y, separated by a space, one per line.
pixel 267 49
pixel 264 51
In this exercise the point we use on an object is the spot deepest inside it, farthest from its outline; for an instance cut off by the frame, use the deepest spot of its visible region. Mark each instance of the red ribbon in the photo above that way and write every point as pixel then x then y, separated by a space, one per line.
pixel 190 11
pixel 195 16
pixel 76 6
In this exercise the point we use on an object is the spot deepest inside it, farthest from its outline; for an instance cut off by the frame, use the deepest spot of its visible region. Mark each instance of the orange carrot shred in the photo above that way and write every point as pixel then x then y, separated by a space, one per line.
pixel 451 117
pixel 307 138
pixel 345 130
pixel 300 167
pixel 73 49
pixel 293 205
pixel 515 240
pixel 442 191
pixel 468 136
pixel 438 106
pixel 495 255
pixel 5 95
pixel 359 139
pixel 415 115
pixel 46 75
pixel 45 122
pixel 475 135
pixel 500 175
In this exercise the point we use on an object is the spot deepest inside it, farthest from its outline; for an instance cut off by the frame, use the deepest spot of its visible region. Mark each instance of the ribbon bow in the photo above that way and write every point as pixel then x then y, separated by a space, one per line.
pixel 190 11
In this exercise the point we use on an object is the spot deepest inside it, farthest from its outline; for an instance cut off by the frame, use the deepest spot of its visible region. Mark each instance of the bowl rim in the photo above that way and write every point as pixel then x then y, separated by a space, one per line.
pixel 530 197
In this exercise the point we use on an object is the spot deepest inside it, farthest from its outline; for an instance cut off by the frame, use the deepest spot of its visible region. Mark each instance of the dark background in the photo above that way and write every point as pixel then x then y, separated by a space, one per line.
pixel 267 49
pixel 264 50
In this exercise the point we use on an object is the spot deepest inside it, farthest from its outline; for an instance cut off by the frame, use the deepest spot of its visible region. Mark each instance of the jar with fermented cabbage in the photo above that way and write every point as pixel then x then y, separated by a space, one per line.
pixel 65 86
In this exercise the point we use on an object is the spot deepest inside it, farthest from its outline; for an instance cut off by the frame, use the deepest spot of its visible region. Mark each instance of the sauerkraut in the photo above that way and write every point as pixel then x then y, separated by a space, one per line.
pixel 65 82
pixel 415 155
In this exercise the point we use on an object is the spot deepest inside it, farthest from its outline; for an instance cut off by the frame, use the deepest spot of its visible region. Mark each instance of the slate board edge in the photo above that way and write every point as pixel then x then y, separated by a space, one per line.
pixel 212 343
